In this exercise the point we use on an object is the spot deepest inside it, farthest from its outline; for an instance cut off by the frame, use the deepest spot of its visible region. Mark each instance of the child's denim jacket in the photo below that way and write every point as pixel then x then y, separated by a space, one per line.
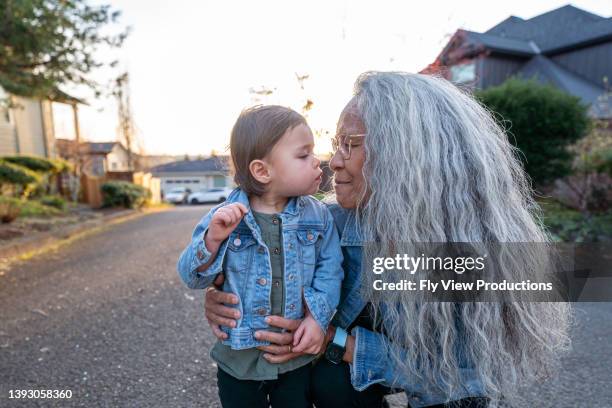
pixel 312 266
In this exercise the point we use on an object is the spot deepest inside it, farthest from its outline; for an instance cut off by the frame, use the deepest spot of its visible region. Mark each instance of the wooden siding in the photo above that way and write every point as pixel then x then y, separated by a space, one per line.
pixel 591 63
pixel 494 69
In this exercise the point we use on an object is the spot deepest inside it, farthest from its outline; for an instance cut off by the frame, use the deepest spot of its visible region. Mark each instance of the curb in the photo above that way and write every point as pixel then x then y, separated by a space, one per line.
pixel 48 240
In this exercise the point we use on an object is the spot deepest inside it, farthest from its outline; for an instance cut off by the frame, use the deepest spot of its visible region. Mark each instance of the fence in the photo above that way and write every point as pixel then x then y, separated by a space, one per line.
pixel 91 185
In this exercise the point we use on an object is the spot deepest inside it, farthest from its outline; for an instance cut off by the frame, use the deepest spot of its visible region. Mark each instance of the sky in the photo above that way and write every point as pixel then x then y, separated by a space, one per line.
pixel 193 65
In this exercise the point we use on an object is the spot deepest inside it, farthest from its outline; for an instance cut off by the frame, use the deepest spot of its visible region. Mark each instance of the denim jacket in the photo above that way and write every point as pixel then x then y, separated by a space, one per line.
pixel 312 266
pixel 371 364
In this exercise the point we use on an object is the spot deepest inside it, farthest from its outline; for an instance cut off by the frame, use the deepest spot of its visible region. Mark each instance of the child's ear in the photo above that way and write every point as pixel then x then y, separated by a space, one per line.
pixel 260 171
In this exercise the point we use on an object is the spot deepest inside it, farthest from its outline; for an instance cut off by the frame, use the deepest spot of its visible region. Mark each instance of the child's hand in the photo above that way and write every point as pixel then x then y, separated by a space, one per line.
pixel 224 221
pixel 308 338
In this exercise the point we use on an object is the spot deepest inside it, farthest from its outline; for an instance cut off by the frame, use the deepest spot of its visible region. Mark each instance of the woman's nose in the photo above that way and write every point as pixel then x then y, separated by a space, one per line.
pixel 337 162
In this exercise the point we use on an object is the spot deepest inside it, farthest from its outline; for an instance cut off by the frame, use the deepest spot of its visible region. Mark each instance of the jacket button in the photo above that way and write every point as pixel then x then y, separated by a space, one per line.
pixel 290 246
pixel 274 220
pixel 292 307
pixel 200 255
pixel 276 251
pixel 262 281
pixel 310 236
pixel 276 283
pixel 237 242
pixel 261 250
pixel 291 277
pixel 261 312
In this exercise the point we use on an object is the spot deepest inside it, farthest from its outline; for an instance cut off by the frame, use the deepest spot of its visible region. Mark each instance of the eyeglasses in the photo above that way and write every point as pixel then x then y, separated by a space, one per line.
pixel 344 144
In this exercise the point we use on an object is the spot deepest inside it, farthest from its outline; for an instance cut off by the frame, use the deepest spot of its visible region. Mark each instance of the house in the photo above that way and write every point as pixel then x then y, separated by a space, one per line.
pixel 567 47
pixel 26 124
pixel 194 174
pixel 97 158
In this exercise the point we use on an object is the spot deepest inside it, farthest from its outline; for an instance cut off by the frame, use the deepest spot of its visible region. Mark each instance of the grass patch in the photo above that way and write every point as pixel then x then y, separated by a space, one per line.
pixel 31 208
pixel 34 208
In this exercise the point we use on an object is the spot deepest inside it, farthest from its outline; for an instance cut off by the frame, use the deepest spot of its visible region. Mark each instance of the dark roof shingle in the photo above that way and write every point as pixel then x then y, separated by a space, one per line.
pixel 555 29
pixel 218 164
pixel 546 71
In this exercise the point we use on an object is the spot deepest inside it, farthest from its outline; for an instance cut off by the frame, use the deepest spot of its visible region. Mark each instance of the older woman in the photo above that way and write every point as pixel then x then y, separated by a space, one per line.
pixel 418 160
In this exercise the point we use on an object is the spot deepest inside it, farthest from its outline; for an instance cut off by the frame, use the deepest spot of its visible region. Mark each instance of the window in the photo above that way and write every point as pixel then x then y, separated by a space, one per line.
pixel 463 73
pixel 169 181
pixel 195 181
pixel 219 181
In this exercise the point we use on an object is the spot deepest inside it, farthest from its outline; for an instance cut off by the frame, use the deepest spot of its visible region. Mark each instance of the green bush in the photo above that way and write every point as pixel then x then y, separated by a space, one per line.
pixel 33 163
pixel 62 165
pixel 11 173
pixel 124 194
pixel 54 201
pixel 543 122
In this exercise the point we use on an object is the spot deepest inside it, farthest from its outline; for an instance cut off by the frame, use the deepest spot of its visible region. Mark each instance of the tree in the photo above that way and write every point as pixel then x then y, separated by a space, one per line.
pixel 45 44
pixel 542 122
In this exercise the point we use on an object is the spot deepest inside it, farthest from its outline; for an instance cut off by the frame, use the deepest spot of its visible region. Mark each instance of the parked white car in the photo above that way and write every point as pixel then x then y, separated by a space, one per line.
pixel 178 195
pixel 209 195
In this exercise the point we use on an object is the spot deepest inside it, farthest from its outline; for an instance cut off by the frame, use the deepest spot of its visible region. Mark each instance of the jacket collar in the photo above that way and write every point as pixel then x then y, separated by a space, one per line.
pixel 239 196
pixel 292 208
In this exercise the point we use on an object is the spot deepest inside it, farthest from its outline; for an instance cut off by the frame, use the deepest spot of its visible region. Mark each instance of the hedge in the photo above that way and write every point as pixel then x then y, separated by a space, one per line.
pixel 542 122
pixel 124 194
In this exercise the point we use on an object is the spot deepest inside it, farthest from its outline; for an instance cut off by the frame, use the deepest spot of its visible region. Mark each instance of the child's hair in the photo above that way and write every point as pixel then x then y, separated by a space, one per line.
pixel 254 135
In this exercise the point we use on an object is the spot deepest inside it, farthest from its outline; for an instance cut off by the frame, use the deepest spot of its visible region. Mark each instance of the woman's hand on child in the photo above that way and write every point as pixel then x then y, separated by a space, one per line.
pixel 215 310
pixel 224 221
pixel 280 350
pixel 308 337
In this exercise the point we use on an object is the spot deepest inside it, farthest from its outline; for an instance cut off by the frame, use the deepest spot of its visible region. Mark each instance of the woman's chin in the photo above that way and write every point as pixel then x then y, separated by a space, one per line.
pixel 345 200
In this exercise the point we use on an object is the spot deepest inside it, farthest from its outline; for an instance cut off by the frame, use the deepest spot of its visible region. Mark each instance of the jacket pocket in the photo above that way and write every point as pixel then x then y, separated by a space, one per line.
pixel 307 248
pixel 239 252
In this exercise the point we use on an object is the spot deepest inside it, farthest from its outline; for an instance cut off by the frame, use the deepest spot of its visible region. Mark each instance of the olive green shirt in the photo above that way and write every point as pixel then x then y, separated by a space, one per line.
pixel 249 364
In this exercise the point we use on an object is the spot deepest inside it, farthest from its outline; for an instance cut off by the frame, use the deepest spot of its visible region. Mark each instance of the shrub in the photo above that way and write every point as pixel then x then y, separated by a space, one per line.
pixel 33 163
pixel 54 201
pixel 11 173
pixel 124 194
pixel 543 122
pixel 9 209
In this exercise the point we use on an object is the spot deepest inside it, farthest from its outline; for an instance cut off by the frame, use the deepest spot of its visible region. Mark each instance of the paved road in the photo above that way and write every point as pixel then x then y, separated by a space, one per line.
pixel 108 318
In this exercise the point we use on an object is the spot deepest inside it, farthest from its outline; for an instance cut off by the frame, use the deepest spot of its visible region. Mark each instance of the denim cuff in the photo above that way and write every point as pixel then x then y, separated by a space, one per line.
pixel 201 255
pixel 318 307
pixel 369 363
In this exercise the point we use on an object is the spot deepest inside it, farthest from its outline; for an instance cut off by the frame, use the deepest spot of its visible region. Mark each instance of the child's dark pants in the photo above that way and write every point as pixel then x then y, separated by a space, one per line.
pixel 290 390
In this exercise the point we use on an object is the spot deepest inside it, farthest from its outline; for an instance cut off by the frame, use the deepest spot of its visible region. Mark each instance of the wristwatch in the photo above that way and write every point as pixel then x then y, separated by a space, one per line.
pixel 337 347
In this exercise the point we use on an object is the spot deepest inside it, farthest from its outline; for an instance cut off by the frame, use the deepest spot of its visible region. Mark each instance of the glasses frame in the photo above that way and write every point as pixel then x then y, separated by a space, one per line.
pixel 336 146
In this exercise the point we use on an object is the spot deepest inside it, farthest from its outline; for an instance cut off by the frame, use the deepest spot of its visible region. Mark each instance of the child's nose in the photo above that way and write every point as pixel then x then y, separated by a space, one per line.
pixel 317 162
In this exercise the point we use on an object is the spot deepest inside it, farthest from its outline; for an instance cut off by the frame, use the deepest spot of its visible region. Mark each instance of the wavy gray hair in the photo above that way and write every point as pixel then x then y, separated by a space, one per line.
pixel 439 160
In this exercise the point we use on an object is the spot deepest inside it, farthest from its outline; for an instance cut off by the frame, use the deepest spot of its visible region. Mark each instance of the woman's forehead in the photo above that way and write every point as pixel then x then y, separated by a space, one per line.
pixel 350 118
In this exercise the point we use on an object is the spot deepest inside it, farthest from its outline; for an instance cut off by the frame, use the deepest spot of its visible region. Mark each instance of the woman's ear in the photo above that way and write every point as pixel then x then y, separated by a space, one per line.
pixel 260 171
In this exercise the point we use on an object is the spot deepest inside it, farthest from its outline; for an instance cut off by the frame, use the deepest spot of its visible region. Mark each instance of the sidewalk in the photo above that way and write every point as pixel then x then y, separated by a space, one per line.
pixel 28 236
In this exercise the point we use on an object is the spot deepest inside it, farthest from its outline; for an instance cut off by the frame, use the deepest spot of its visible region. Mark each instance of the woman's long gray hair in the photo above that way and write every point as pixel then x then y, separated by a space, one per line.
pixel 439 160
